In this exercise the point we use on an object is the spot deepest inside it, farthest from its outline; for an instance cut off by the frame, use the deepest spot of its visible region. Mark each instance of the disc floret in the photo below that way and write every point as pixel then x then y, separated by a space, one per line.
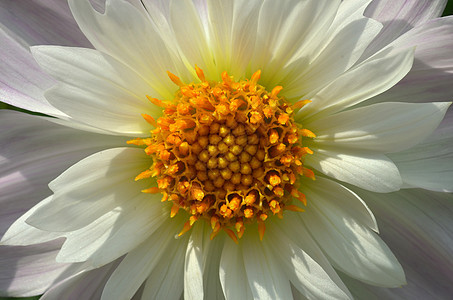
pixel 227 152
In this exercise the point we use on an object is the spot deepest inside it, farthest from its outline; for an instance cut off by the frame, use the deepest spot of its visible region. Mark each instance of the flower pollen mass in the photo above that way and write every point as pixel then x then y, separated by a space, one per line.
pixel 228 152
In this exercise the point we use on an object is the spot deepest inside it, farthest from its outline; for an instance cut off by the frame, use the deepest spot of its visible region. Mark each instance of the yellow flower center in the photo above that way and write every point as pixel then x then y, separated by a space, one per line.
pixel 227 152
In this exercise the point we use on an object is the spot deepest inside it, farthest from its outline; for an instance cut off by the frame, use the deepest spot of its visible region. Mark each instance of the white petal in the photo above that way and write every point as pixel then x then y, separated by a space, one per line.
pixel 42 22
pixel 115 233
pixel 335 56
pixel 22 234
pixel 83 285
pixel 123 25
pixel 232 31
pixel 372 77
pixel 351 247
pixel 400 16
pixel 338 56
pixel 429 165
pixel 303 271
pixel 432 73
pixel 24 173
pixel 294 228
pixel 212 252
pixel 19 88
pixel 193 268
pixel 265 276
pixel 416 225
pixel 384 128
pixel 334 197
pixel 100 91
pixel 166 281
pixel 192 36
pixel 287 30
pixel 138 264
pixel 91 188
pixel 373 172
pixel 232 273
pixel 29 271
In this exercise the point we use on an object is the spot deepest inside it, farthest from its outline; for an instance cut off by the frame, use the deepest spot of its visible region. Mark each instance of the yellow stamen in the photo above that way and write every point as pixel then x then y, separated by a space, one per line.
pixel 153 190
pixel 294 208
pixel 231 234
pixel 200 73
pixel 307 133
pixel 174 210
pixel 176 80
pixel 186 228
pixel 226 152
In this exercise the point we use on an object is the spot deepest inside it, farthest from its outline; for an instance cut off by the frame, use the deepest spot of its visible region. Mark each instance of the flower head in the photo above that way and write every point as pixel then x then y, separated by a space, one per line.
pixel 220 149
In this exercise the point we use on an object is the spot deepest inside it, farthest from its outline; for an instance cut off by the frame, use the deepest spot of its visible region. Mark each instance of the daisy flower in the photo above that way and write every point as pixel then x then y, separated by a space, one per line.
pixel 226 149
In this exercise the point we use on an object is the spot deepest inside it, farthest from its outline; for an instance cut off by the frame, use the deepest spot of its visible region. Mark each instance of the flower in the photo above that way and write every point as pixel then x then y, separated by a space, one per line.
pixel 255 132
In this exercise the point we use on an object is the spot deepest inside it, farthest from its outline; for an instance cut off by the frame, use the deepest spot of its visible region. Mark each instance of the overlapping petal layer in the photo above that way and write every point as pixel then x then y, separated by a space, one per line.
pixel 121 243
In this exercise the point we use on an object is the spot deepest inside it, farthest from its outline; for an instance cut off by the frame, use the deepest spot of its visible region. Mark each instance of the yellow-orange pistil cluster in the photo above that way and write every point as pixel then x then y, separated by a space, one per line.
pixel 227 152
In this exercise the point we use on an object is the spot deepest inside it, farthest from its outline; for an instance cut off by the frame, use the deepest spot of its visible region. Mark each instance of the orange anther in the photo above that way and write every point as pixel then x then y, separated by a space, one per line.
pixel 164 197
pixel 236 103
pixel 294 208
pixel 297 194
pixel 165 155
pixel 197 192
pixel 275 91
pixel 307 150
pixel 152 190
pixel 226 79
pixel 201 207
pixel 225 211
pixel 273 136
pixel 174 210
pixel 214 222
pixel 156 101
pixel 250 198
pixel 183 186
pixel 163 183
pixel 268 112
pixel 176 80
pixel 203 103
pixel 137 142
pixel 223 109
pixel 309 173
pixel 188 92
pixel 278 191
pixel 184 108
pixel 307 133
pixel 200 73
pixel 186 228
pixel 283 119
pixel 248 213
pixel 275 206
pixel 235 203
pixel 274 179
pixel 215 231
pixel 174 139
pixel 277 150
pixel 231 234
pixel 143 175
pixel 300 104
pixel 150 120
pixel 192 220
pixel 255 77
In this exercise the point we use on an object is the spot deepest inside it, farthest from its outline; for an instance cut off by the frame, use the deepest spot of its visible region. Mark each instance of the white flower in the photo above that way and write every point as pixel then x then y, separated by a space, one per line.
pixel 253 130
